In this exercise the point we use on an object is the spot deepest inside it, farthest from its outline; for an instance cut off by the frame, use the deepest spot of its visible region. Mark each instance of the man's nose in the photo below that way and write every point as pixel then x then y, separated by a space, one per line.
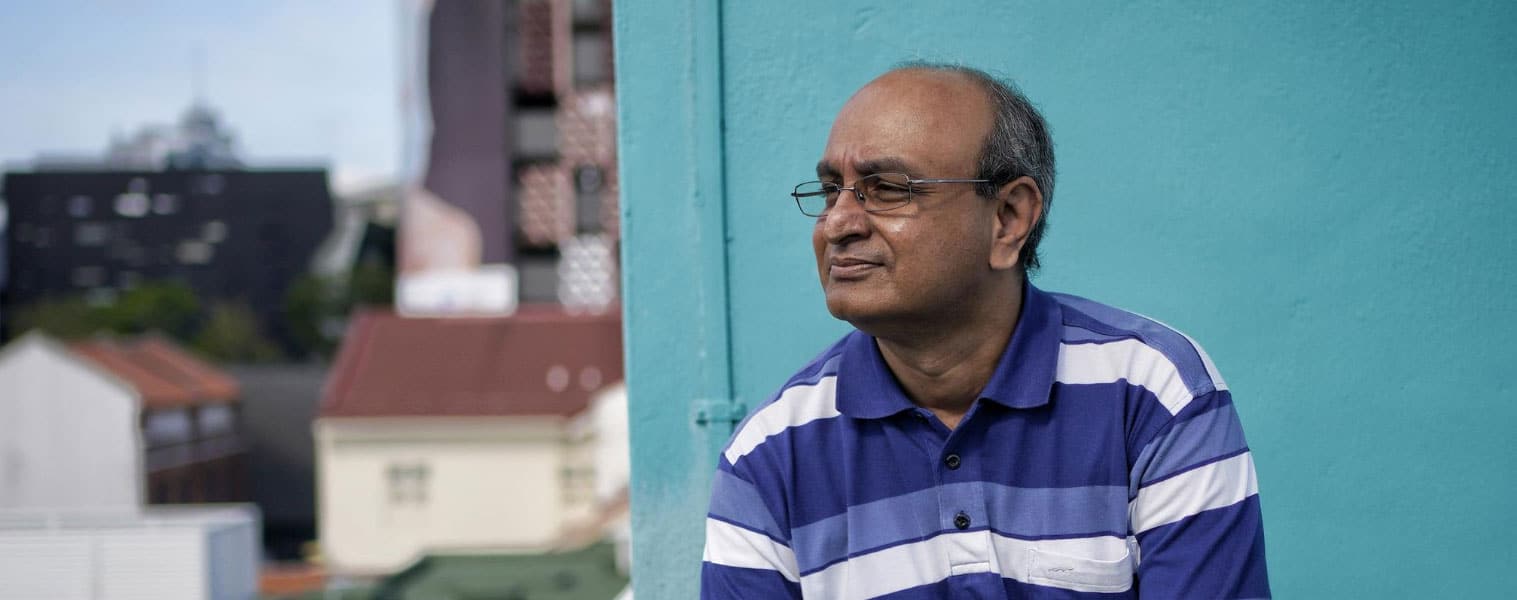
pixel 846 218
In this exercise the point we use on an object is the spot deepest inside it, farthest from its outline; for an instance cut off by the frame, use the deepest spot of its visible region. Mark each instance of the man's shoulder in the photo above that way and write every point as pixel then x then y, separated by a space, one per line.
pixel 807 396
pixel 1090 327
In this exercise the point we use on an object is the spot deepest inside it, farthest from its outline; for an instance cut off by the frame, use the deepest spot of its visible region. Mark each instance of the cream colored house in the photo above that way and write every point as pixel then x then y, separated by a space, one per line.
pixel 460 435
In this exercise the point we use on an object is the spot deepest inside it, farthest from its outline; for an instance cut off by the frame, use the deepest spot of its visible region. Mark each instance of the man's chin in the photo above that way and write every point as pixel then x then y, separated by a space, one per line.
pixel 857 311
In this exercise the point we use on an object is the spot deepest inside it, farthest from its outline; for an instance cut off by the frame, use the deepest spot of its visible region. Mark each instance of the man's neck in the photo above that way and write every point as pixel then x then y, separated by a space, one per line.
pixel 944 367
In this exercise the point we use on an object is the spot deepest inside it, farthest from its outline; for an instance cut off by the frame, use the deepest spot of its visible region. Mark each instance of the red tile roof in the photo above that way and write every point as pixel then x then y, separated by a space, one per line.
pixel 537 362
pixel 208 383
pixel 165 375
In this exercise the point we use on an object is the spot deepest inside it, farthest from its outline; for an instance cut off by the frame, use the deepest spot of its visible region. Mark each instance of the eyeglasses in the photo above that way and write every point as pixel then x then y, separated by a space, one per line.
pixel 876 193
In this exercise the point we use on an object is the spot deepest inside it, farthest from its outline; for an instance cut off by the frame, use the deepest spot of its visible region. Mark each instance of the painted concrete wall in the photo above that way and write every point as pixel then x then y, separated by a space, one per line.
pixel 492 483
pixel 69 436
pixel 1321 195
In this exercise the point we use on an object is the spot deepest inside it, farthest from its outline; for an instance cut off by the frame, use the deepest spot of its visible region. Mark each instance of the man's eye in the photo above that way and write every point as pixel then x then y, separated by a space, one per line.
pixel 891 192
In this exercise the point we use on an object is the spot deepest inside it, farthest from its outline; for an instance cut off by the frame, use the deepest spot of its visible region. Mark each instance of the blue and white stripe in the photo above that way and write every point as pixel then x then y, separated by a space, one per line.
pixel 1139 438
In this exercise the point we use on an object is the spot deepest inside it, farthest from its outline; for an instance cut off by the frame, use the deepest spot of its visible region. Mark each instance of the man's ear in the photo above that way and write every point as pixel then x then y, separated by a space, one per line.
pixel 1019 206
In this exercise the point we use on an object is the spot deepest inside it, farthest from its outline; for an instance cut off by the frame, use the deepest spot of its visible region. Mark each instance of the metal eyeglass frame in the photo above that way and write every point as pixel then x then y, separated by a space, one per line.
pixel 864 200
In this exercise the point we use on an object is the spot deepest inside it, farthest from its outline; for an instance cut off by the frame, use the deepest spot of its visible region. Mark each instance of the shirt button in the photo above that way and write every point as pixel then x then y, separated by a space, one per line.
pixel 952 461
pixel 961 520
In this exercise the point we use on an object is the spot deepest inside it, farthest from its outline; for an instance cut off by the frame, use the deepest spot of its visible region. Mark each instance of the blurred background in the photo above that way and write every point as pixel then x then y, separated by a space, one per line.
pixel 329 300
pixel 310 300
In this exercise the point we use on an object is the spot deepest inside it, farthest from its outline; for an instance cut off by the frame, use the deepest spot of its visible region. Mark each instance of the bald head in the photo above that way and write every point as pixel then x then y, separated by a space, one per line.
pixel 933 122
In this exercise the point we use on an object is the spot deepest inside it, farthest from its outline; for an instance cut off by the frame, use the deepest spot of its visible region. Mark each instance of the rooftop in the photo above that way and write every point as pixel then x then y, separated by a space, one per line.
pixel 587 574
pixel 163 373
pixel 540 361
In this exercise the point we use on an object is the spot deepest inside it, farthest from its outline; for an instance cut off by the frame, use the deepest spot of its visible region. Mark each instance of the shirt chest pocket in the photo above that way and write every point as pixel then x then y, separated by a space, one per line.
pixel 1079 573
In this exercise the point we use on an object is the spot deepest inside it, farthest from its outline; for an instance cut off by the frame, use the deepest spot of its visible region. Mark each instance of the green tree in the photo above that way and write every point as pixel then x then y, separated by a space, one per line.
pixel 231 334
pixel 167 306
pixel 372 283
pixel 68 318
pixel 310 302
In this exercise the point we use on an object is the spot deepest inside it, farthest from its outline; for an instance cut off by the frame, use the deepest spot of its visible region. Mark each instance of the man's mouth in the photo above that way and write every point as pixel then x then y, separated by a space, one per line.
pixel 850 268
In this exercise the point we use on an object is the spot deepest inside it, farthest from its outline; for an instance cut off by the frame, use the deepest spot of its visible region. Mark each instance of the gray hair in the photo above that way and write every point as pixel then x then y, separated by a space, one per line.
pixel 1018 144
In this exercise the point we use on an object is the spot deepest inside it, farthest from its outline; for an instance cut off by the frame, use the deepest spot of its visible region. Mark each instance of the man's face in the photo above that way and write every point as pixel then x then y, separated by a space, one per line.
pixel 925 260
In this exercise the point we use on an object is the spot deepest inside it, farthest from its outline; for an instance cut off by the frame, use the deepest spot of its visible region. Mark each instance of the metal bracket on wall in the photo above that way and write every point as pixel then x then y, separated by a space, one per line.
pixel 726 411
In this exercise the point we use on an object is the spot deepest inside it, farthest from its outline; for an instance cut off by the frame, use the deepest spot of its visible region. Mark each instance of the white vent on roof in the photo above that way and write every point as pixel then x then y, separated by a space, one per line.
pixel 558 378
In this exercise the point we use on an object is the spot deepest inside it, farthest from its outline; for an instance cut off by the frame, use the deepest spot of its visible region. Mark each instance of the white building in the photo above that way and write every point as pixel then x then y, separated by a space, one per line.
pixel 163 553
pixel 69 435
pixel 116 422
pixel 75 472
pixel 461 435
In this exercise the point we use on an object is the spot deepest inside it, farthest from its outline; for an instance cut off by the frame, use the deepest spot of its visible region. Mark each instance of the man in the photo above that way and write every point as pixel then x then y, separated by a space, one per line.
pixel 976 437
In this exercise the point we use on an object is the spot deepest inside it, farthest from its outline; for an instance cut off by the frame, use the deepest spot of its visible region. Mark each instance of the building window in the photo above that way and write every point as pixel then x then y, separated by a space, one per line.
pixel 591 12
pixel 168 426
pixel 91 234
pixel 88 277
pixel 165 204
pixel 209 185
pixel 213 232
pixel 592 58
pixel 79 206
pixel 536 134
pixel 578 484
pixel 408 483
pixel 537 276
pixel 216 419
pixel 588 182
pixel 132 204
pixel 193 252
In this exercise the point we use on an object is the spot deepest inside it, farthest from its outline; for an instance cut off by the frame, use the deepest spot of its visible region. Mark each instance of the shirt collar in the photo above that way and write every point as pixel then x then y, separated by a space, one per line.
pixel 866 389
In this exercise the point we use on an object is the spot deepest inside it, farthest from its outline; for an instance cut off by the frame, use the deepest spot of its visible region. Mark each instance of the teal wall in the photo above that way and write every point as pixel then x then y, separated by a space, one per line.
pixel 1321 195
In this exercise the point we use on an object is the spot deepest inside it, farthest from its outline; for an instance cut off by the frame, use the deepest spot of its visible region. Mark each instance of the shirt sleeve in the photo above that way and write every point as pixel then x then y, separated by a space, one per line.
pixel 1195 507
pixel 748 553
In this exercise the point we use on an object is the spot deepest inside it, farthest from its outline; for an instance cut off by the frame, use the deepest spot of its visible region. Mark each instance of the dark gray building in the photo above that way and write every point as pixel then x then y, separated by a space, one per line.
pixel 231 235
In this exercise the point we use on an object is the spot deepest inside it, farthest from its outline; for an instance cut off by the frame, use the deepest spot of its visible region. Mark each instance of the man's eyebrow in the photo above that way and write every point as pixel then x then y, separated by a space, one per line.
pixel 825 169
pixel 886 164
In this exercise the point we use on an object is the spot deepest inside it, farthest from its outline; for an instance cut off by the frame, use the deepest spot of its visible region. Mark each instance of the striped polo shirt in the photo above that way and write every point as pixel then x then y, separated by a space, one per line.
pixel 1104 459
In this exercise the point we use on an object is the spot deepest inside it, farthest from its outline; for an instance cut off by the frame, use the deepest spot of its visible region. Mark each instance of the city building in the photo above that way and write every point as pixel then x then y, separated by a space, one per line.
pixel 464 435
pixel 69 433
pixel 116 423
pixel 235 237
pixel 482 421
pixel 511 158
pixel 198 141
pixel 279 402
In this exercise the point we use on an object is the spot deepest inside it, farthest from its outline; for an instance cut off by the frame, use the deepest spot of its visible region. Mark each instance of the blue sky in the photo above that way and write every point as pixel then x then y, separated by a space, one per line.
pixel 305 82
